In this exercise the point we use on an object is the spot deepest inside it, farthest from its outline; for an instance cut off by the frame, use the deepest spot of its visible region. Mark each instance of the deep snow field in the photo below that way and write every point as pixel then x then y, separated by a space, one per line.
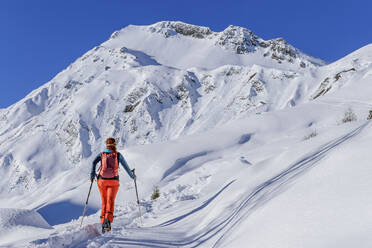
pixel 255 181
pixel 289 176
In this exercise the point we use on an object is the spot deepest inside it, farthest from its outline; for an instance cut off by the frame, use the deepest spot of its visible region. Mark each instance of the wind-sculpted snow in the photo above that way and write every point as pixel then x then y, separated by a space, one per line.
pixel 224 124
pixel 181 162
pixel 216 231
pixel 11 218
pixel 268 189
pixel 71 237
pixel 20 221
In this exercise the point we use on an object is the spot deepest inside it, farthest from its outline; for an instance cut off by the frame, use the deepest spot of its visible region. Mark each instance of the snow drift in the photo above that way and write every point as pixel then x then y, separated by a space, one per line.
pixel 18 224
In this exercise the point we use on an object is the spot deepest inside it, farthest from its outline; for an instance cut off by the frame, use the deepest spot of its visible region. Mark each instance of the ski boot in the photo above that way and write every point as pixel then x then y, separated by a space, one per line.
pixel 106 226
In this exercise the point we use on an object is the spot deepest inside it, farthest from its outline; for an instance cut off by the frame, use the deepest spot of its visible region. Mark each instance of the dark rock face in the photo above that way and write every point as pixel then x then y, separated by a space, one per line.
pixel 281 49
pixel 191 30
pixel 244 41
pixel 327 84
pixel 241 40
pixel 129 108
pixel 185 29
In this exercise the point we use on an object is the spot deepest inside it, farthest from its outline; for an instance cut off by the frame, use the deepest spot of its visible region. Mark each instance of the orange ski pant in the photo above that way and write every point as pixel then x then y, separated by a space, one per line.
pixel 108 190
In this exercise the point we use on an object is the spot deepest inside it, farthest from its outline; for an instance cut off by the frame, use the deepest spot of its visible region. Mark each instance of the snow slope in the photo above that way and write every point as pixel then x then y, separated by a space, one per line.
pixel 272 184
pixel 118 90
pixel 18 224
pixel 244 147
pixel 184 46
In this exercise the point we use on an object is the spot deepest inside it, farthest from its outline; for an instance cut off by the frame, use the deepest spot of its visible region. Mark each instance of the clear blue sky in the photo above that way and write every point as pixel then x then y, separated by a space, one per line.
pixel 39 38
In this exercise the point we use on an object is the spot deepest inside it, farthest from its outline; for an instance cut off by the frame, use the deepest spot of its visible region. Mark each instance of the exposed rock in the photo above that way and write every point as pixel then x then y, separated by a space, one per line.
pixel 370 115
pixel 129 108
pixel 258 86
pixel 323 88
pixel 252 76
pixel 181 92
pixel 326 85
pixel 338 75
pixel 115 34
pixel 181 28
pixel 70 84
pixel 135 95
pixel 241 40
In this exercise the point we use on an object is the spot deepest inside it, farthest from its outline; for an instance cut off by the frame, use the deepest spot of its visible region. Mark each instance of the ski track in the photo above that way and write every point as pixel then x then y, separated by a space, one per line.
pixel 206 203
pixel 220 229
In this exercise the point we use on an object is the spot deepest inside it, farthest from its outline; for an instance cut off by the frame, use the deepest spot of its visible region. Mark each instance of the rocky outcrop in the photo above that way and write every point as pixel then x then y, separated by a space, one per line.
pixel 171 28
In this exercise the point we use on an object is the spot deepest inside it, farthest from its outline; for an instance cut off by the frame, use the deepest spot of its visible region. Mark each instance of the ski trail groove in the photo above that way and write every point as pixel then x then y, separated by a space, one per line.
pixel 206 203
pixel 253 199
pixel 262 193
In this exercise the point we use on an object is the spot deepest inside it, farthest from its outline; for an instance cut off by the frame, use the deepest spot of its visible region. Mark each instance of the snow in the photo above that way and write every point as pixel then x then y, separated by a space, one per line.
pixel 244 149
pixel 210 52
pixel 16 224
pixel 328 207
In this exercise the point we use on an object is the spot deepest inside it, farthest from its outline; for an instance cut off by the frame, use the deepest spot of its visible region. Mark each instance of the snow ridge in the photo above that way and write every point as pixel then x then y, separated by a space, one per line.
pixel 234 38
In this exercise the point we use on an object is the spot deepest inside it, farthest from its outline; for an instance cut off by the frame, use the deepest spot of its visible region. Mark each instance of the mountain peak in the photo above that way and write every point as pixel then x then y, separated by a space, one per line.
pixel 169 28
pixel 239 29
pixel 240 40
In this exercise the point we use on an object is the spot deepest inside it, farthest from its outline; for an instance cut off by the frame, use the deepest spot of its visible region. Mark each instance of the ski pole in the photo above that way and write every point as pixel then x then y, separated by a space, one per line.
pixel 138 203
pixel 86 203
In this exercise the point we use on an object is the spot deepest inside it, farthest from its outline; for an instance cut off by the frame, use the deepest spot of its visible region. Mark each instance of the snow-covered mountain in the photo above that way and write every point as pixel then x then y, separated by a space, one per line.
pixel 198 113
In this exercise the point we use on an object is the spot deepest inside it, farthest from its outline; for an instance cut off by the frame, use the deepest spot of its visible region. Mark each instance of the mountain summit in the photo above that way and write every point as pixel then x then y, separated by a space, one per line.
pixel 213 49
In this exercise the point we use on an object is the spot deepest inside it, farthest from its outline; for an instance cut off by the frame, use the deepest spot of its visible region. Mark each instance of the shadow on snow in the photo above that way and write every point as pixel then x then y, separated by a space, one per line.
pixel 181 162
pixel 62 212
pixel 254 198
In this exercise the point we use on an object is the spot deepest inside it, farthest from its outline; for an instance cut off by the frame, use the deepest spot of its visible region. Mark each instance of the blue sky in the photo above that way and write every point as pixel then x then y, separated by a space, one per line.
pixel 39 38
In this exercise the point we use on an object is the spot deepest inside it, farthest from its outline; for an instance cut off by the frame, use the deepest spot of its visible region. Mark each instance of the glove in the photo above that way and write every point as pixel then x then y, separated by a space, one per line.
pixel 134 175
pixel 92 176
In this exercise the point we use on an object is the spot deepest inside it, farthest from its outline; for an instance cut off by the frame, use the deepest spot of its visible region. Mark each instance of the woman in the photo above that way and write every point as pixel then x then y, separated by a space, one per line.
pixel 108 180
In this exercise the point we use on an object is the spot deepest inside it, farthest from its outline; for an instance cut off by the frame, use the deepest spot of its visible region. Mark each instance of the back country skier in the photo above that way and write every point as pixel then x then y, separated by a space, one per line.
pixel 108 180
